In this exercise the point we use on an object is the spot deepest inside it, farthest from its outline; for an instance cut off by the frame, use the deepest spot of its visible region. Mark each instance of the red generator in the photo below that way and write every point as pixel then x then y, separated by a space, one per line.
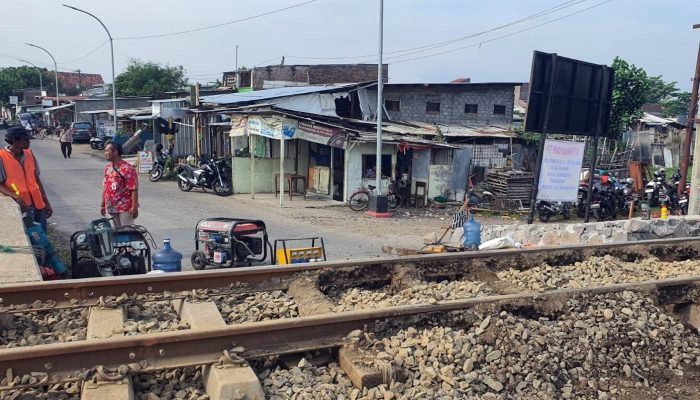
pixel 229 242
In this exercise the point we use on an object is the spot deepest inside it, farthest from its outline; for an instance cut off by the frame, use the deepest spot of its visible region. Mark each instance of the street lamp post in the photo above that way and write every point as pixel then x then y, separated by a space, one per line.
pixel 55 67
pixel 111 48
pixel 41 80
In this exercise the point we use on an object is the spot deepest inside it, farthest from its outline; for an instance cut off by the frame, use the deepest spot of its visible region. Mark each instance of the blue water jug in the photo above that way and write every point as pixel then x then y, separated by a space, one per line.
pixel 472 233
pixel 167 259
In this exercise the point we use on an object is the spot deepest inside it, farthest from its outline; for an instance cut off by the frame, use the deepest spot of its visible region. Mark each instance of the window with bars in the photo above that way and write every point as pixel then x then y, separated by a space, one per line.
pixel 499 110
pixel 432 107
pixel 471 108
pixel 392 105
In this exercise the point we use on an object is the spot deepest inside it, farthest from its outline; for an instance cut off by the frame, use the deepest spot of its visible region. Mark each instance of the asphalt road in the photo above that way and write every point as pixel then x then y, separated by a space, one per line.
pixel 74 189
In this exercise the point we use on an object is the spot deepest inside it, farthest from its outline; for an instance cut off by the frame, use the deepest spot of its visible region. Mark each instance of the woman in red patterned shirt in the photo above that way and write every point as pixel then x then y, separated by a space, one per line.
pixel 120 188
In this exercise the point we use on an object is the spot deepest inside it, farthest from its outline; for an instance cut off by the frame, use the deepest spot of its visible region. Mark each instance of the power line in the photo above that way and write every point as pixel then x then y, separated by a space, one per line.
pixel 428 47
pixel 502 36
pixel 218 25
pixel 86 55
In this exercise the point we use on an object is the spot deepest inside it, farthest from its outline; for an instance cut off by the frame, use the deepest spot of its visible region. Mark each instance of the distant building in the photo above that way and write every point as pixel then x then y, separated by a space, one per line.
pixel 275 76
pixel 77 80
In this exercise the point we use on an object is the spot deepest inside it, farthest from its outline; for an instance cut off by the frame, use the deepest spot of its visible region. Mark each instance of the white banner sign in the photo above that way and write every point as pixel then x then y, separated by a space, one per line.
pixel 274 127
pixel 14 100
pixel 145 161
pixel 561 167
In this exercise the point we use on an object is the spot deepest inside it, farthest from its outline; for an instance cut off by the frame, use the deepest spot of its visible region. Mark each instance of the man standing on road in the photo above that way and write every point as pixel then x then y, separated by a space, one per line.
pixel 120 194
pixel 66 140
pixel 19 176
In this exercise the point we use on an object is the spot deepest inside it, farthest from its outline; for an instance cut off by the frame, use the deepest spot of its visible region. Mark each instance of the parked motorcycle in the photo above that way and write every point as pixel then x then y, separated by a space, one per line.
pixel 546 210
pixel 99 142
pixel 213 175
pixel 656 188
pixel 159 165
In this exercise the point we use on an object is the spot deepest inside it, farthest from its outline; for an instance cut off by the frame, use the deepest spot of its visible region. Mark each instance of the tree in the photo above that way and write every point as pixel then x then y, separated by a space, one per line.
pixel 630 93
pixel 15 78
pixel 660 91
pixel 149 79
pixel 677 105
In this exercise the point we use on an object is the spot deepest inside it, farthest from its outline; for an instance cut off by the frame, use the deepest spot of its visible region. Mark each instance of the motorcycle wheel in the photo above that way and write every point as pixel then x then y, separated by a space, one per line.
pixel 155 174
pixel 93 146
pixel 184 186
pixel 580 210
pixel 225 190
pixel 565 212
pixel 544 216
pixel 100 146
pixel 199 260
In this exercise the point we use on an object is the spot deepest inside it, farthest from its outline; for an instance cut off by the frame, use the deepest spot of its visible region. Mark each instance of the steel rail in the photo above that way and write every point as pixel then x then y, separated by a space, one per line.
pixel 205 346
pixel 88 291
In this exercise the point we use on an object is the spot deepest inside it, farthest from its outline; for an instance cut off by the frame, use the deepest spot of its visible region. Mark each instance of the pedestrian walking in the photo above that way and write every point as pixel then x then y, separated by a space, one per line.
pixel 19 176
pixel 66 140
pixel 120 194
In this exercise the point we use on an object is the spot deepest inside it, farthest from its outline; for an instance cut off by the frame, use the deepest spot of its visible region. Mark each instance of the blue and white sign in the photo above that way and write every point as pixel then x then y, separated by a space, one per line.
pixel 561 168
pixel 273 128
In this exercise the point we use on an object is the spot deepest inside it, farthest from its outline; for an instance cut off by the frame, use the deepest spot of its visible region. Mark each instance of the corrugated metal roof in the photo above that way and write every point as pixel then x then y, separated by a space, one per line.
pixel 123 112
pixel 233 98
pixel 169 100
pixel 453 130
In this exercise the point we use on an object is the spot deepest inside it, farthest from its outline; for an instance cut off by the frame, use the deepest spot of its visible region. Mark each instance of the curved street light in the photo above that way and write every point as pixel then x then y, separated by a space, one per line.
pixel 55 67
pixel 111 47
pixel 41 81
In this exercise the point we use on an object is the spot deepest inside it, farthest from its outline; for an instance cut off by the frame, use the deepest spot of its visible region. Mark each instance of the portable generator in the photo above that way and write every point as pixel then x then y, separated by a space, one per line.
pixel 105 250
pixel 229 242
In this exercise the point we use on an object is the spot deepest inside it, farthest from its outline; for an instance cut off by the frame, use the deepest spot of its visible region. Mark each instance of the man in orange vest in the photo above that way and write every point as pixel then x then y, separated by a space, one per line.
pixel 19 176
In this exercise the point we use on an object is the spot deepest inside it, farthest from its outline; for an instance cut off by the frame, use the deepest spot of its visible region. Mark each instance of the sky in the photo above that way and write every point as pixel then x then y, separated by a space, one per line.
pixel 656 35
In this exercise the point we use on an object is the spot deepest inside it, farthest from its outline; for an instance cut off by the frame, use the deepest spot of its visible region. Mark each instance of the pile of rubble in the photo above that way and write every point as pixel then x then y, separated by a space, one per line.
pixel 153 316
pixel 598 271
pixel 590 346
pixel 254 307
pixel 42 327
pixel 424 293
pixel 181 383
pixel 59 391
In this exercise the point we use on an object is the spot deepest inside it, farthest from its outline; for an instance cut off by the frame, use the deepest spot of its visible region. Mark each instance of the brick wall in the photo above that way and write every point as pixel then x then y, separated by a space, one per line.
pixel 317 74
pixel 452 99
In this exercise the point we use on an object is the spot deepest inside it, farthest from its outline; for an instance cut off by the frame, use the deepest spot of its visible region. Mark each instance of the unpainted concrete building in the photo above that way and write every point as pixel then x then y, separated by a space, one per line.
pixel 450 103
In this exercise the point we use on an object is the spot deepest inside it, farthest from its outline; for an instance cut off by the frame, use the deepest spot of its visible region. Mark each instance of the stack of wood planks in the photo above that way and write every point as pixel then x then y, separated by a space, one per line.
pixel 511 185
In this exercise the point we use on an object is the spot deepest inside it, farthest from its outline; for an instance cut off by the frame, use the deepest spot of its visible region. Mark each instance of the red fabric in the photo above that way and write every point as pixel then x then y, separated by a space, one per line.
pixel 118 189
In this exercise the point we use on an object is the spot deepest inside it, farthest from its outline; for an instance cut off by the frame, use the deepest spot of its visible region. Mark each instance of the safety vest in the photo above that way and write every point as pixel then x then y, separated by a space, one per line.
pixel 23 178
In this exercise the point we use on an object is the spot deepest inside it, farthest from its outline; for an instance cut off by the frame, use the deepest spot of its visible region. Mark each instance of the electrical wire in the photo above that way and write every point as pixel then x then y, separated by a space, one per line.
pixel 432 46
pixel 86 55
pixel 500 37
pixel 217 25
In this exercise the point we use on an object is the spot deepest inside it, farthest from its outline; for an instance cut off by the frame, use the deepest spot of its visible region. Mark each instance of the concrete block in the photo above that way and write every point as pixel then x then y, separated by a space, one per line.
pixel 122 390
pixel 361 375
pixel 690 314
pixel 232 383
pixel 16 267
pixel 200 315
pixel 105 322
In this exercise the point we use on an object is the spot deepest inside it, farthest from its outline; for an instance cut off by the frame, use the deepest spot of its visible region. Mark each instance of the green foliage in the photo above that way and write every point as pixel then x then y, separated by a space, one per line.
pixel 531 139
pixel 677 105
pixel 660 91
pixel 15 78
pixel 630 93
pixel 149 79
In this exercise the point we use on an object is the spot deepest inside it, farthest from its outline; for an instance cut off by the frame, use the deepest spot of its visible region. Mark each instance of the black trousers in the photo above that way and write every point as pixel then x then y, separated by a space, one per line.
pixel 66 149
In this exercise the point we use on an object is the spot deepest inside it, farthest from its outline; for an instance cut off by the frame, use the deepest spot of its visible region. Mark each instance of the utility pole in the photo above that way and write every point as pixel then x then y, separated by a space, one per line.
pixel 693 201
pixel 236 58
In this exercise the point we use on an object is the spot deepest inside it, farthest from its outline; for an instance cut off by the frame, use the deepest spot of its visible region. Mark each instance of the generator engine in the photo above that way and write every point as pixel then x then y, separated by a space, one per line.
pixel 229 242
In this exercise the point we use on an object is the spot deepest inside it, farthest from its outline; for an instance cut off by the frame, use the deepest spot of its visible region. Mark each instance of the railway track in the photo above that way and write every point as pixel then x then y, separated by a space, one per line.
pixel 220 319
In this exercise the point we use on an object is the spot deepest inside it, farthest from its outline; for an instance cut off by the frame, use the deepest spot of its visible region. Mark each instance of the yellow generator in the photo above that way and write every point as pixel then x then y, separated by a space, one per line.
pixel 285 255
